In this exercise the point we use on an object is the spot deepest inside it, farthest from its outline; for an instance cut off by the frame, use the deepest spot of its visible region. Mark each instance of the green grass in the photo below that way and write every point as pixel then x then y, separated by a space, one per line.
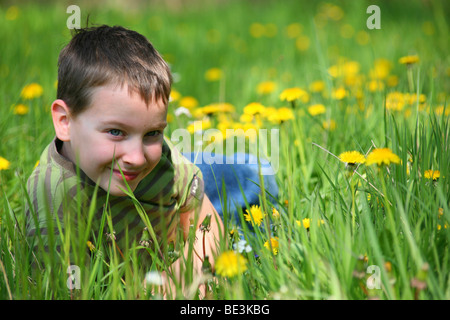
pixel 396 229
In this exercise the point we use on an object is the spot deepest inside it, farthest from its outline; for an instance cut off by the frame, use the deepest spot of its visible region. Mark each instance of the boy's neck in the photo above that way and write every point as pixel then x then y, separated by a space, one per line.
pixel 63 149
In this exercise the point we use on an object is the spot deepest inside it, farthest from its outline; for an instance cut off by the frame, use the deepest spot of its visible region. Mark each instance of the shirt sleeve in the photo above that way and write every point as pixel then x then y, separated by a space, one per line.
pixel 194 193
pixel 188 181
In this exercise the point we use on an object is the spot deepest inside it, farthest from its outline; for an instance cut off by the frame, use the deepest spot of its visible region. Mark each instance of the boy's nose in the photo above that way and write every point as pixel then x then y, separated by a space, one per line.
pixel 134 155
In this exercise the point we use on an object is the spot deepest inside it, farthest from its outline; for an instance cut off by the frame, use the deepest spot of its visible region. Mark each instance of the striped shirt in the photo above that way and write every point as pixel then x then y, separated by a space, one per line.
pixel 58 192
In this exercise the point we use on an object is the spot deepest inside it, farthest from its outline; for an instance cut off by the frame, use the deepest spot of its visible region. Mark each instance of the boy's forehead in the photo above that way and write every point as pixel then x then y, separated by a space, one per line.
pixel 116 93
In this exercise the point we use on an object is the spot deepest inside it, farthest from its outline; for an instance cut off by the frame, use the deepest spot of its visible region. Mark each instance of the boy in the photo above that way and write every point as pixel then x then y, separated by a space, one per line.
pixel 109 118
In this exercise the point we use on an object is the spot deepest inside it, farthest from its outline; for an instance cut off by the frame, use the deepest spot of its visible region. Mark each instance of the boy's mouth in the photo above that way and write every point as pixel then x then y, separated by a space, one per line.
pixel 127 174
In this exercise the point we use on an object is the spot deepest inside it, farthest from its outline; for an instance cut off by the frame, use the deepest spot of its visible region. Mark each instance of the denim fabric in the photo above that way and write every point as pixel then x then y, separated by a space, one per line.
pixel 237 172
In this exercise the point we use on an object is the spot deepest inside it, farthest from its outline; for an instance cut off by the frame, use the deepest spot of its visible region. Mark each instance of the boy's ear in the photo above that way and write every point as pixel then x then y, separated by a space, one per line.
pixel 61 119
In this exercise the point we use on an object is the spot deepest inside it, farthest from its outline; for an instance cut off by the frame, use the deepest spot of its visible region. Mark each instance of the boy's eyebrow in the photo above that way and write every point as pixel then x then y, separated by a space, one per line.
pixel 159 125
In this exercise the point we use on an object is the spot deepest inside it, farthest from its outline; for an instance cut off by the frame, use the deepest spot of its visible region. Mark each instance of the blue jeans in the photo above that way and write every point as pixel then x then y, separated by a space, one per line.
pixel 238 177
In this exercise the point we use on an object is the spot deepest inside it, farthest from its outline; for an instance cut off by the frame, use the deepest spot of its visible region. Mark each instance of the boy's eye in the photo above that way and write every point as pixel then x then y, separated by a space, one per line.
pixel 153 133
pixel 115 132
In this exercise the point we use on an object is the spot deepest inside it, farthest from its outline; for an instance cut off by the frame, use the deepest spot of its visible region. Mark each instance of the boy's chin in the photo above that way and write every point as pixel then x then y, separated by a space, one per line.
pixel 119 191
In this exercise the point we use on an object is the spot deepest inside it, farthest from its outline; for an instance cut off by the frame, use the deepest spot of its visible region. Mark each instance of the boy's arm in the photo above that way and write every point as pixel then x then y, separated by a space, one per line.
pixel 209 247
pixel 204 245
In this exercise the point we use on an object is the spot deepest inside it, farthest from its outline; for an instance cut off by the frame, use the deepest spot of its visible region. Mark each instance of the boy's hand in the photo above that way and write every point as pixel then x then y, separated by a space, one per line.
pixel 208 225
pixel 207 237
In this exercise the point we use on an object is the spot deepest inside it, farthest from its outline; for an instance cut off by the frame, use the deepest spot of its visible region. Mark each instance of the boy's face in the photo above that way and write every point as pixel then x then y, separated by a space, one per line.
pixel 121 126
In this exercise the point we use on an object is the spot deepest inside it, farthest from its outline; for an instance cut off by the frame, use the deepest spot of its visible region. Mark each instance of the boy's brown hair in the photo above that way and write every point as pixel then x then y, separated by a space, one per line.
pixel 105 55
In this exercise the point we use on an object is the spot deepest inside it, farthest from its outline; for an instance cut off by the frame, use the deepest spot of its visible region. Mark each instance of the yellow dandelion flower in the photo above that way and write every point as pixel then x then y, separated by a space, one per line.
pixel 440 110
pixel 362 37
pixel 198 126
pixel 213 36
pixel 274 244
pixel 382 156
pixel 255 215
pixel 31 91
pixel 306 223
pixel 295 93
pixel 317 86
pixel 375 85
pixel 412 98
pixel 409 60
pixel 266 87
pixel 268 111
pixel 275 213
pixel 213 74
pixel 347 31
pixel 302 43
pixel 299 223
pixel 90 246
pixel 250 131
pixel 388 266
pixel 352 157
pixel 432 174
pixel 257 30
pixel 351 68
pixel 246 118
pixel 230 264
pixel 439 227
pixel 4 164
pixel 339 93
pixel 294 30
pixel 353 80
pixel 285 114
pixel 428 28
pixel 214 108
pixel 174 95
pixel 334 71
pixel 381 69
pixel 333 12
pixel 254 108
pixel 188 102
pixel 366 258
pixel 395 101
pixel 440 212
pixel 316 109
pixel 392 81
pixel 12 13
pixel 224 119
pixel 329 125
pixel 20 109
pixel 281 115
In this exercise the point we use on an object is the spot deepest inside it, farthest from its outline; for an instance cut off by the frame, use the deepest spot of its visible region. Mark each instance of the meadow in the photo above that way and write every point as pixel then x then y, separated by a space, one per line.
pixel 364 148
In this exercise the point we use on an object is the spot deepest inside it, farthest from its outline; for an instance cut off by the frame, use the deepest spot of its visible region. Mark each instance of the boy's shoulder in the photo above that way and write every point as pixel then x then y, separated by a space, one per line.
pixel 54 169
pixel 53 179
pixel 52 189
